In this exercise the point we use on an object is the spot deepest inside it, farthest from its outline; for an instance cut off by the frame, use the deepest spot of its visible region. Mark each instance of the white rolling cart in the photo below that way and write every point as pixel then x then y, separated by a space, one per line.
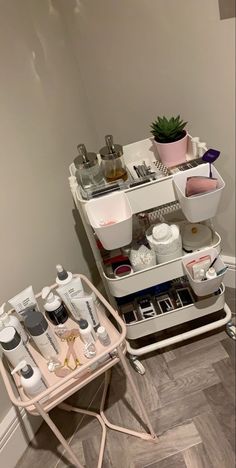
pixel 164 194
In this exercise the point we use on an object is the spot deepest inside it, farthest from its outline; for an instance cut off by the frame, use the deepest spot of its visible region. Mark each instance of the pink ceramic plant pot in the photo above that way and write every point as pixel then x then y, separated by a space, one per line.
pixel 174 153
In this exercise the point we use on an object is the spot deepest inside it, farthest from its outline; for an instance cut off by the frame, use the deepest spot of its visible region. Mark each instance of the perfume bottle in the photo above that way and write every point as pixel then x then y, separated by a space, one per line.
pixel 88 172
pixel 112 163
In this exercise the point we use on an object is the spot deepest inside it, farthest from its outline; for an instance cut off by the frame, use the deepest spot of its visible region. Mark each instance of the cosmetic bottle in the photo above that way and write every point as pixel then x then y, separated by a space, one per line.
pixel 42 335
pixel 86 309
pixel 85 330
pixel 69 288
pixel 7 320
pixel 211 273
pixel 31 378
pixel 112 163
pixel 103 336
pixel 55 310
pixel 88 172
pixel 13 347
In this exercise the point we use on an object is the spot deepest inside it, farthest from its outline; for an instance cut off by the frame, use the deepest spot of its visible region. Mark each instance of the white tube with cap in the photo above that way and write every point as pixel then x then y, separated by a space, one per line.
pixel 23 300
pixel 69 288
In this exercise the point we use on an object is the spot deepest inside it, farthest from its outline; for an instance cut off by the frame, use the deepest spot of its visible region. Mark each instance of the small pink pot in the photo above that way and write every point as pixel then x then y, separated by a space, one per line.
pixel 174 153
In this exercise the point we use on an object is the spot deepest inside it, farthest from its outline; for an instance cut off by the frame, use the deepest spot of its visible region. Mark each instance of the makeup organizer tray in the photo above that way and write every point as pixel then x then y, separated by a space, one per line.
pixel 164 190
pixel 60 388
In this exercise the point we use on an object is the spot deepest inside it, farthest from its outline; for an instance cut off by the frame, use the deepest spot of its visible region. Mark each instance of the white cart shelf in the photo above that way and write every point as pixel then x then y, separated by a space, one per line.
pixel 142 198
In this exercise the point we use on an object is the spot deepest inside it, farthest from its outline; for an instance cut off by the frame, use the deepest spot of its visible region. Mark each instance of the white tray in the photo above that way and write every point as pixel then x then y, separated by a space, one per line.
pixel 149 195
pixel 152 276
pixel 175 317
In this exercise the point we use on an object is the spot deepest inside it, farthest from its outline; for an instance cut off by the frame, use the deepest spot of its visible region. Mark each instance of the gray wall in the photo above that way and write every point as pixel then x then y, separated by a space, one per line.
pixel 72 71
pixel 43 116
pixel 142 58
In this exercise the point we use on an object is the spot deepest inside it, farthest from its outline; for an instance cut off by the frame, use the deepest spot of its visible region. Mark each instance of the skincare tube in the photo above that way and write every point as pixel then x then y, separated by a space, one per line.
pixel 86 310
pixel 69 292
pixel 22 300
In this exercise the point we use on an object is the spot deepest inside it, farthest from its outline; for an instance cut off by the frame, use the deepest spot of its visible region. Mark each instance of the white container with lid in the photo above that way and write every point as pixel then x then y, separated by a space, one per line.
pixel 9 320
pixel 13 347
pixel 195 236
pixel 54 307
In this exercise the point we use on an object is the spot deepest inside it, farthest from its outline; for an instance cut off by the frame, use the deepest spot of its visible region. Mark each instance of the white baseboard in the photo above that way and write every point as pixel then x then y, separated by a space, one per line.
pixel 230 277
pixel 17 429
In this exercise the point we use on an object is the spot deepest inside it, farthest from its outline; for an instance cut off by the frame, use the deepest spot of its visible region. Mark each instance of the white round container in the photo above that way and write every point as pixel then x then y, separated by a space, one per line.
pixel 195 236
pixel 13 347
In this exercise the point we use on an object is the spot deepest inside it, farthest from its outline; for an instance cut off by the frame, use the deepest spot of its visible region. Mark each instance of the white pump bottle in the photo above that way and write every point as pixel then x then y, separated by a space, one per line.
pixel 31 378
pixel 9 320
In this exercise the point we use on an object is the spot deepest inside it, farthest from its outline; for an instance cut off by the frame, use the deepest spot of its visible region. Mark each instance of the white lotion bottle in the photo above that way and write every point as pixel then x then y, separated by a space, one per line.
pixel 42 335
pixel 54 307
pixel 69 288
pixel 86 330
pixel 13 347
pixel 9 320
pixel 31 378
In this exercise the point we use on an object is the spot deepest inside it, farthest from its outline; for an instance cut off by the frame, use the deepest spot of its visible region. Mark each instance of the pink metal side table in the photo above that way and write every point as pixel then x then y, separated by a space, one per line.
pixel 59 389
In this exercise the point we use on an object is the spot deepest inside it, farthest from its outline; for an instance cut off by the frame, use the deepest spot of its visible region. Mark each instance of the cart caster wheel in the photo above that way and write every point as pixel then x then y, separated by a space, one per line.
pixel 231 330
pixel 138 366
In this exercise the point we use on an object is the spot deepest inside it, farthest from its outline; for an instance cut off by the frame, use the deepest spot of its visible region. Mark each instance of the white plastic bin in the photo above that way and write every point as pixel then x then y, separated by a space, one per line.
pixel 209 286
pixel 111 218
pixel 198 207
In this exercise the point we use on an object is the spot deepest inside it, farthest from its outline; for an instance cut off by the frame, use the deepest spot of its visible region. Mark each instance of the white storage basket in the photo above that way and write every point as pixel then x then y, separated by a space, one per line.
pixel 115 209
pixel 209 286
pixel 198 207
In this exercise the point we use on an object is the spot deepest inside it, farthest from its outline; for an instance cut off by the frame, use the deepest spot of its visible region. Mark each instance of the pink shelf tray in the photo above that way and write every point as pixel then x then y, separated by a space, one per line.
pixel 61 388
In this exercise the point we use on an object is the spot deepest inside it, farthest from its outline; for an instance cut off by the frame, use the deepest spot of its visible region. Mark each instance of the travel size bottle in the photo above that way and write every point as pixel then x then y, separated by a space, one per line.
pixel 103 336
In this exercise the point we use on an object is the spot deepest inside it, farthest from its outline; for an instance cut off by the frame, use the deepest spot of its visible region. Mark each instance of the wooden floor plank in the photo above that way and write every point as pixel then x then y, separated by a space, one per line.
pixel 226 374
pixel 173 414
pixel 223 409
pixel 196 457
pixel 168 444
pixel 218 448
pixel 203 358
pixel 176 461
pixel 190 382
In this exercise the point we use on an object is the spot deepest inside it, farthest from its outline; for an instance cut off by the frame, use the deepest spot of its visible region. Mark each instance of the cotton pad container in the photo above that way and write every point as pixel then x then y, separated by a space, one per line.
pixel 166 241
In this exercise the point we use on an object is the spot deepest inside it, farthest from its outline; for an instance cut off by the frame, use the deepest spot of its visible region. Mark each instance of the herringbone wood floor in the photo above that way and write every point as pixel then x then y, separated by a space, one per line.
pixel 189 392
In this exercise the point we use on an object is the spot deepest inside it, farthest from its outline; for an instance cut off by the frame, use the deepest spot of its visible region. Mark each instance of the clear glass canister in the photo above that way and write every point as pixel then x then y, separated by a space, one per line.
pixel 88 171
pixel 112 163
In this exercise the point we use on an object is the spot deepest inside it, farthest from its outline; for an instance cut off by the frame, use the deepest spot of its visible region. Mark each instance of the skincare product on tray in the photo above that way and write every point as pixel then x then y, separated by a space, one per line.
pixel 9 320
pixel 86 309
pixel 22 300
pixel 85 330
pixel 13 347
pixel 42 335
pixel 31 378
pixel 69 288
pixel 55 310
pixel 103 336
